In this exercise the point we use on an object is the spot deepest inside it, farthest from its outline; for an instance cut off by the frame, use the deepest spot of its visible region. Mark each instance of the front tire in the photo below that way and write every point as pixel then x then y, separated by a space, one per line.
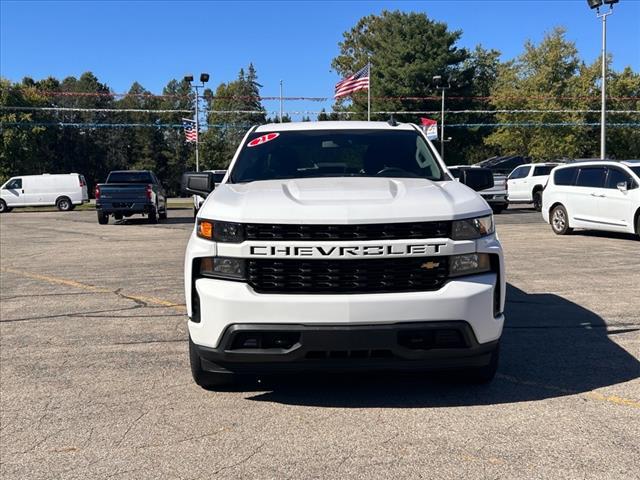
pixel 153 216
pixel 64 204
pixel 207 380
pixel 103 218
pixel 497 209
pixel 4 208
pixel 560 221
pixel 480 375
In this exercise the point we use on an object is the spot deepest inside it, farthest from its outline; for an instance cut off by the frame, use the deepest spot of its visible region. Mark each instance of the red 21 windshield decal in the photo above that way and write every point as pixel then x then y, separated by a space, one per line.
pixel 263 139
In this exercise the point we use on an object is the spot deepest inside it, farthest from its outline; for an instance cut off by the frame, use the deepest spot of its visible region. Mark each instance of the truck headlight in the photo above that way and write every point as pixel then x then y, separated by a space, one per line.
pixel 227 232
pixel 223 267
pixel 472 228
pixel 469 264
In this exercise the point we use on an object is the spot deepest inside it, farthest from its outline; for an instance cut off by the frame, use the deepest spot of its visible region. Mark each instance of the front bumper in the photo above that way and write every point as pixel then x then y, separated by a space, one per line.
pixel 288 348
pixel 469 299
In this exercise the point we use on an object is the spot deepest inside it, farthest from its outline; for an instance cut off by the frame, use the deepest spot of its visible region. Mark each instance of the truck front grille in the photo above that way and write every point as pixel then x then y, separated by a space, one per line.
pixel 378 231
pixel 417 274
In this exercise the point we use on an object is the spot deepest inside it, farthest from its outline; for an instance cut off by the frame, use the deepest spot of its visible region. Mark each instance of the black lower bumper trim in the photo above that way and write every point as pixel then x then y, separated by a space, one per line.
pixel 277 348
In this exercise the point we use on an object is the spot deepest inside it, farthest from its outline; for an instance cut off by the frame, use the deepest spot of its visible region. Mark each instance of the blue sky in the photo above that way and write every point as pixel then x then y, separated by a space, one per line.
pixel 154 41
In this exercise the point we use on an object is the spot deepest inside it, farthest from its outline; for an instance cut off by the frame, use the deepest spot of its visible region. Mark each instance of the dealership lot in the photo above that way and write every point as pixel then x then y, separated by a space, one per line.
pixel 95 380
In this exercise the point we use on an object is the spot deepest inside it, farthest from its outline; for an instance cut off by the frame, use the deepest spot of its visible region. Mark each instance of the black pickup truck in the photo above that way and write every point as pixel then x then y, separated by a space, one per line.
pixel 130 192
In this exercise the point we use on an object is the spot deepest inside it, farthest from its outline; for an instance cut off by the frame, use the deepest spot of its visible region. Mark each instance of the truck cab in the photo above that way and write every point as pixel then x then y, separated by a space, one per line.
pixel 342 246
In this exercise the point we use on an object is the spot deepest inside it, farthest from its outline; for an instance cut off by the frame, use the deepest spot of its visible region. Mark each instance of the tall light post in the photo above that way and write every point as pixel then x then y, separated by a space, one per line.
pixel 204 78
pixel 441 84
pixel 596 4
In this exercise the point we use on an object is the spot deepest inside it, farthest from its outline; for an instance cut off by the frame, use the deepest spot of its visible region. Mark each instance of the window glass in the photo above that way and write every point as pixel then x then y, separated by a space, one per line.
pixel 130 177
pixel 591 177
pixel 217 177
pixel 615 177
pixel 564 176
pixel 519 172
pixel 543 170
pixel 335 153
pixel 636 170
pixel 14 184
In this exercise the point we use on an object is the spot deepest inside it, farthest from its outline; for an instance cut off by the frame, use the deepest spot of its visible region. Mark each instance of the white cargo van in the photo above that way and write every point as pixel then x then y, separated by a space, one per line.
pixel 65 191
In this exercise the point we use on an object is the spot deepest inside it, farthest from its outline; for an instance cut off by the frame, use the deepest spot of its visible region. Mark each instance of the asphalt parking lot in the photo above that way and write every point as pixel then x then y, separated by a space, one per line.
pixel 95 380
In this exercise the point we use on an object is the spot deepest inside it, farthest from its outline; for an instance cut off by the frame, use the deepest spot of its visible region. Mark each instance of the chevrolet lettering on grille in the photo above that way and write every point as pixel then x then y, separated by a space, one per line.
pixel 336 251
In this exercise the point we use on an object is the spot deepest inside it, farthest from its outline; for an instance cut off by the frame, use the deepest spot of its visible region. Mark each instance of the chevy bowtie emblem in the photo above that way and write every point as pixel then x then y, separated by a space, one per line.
pixel 430 265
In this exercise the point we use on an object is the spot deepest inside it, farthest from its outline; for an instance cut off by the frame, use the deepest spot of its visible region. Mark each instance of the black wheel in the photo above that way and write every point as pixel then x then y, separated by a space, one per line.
pixel 195 212
pixel 537 200
pixel 484 374
pixel 163 214
pixel 64 204
pixel 4 208
pixel 560 221
pixel 207 380
pixel 103 218
pixel 497 209
pixel 153 215
pixel 638 225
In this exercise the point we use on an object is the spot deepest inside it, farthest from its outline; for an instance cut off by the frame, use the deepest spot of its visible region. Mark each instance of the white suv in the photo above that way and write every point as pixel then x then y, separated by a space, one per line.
pixel 598 195
pixel 525 183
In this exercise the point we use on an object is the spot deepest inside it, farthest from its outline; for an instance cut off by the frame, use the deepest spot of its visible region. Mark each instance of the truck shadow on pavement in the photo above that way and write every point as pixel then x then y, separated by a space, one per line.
pixel 551 347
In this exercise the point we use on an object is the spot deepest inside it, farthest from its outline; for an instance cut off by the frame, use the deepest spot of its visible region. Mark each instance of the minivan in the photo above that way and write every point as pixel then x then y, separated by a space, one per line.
pixel 596 195
pixel 65 191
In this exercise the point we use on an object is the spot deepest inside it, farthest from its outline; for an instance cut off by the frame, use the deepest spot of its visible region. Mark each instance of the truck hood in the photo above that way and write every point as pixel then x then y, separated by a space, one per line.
pixel 343 200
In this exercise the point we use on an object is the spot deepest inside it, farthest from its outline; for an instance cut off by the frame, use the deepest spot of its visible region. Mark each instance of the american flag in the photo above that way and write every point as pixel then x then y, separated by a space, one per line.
pixel 190 131
pixel 357 81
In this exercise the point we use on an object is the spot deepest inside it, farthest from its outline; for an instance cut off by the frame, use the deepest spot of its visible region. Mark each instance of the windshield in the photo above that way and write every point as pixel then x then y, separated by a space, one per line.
pixel 335 153
pixel 129 177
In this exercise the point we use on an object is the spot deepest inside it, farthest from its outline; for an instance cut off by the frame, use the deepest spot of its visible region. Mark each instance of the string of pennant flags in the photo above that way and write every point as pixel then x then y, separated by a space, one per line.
pixel 324 99
pixel 308 112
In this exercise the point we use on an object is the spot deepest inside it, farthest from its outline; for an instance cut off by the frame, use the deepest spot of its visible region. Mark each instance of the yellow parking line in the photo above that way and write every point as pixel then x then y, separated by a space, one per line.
pixel 93 288
pixel 56 280
pixel 614 399
pixel 593 395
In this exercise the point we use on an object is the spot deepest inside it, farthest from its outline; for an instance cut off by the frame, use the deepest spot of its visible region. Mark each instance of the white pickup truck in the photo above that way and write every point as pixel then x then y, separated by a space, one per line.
pixel 342 246
pixel 526 183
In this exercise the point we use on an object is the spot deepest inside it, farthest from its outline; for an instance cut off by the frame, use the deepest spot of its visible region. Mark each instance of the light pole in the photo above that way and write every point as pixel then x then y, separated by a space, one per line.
pixel 439 83
pixel 204 78
pixel 280 101
pixel 603 108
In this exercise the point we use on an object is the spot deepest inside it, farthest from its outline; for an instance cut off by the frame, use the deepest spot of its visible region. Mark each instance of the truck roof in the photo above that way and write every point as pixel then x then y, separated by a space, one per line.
pixel 332 125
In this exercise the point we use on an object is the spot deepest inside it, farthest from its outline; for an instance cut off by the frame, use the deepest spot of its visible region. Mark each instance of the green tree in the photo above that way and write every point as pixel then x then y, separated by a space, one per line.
pixel 551 76
pixel 234 108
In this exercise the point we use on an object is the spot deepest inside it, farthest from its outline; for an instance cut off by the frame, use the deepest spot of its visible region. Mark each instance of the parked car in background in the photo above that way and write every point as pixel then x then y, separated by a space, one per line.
pixel 495 196
pixel 131 192
pixel 526 183
pixel 504 164
pixel 597 195
pixel 65 191
pixel 218 176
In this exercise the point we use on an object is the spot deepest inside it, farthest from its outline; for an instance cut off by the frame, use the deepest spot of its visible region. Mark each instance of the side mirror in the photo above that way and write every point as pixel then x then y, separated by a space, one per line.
pixel 622 186
pixel 198 183
pixel 477 178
